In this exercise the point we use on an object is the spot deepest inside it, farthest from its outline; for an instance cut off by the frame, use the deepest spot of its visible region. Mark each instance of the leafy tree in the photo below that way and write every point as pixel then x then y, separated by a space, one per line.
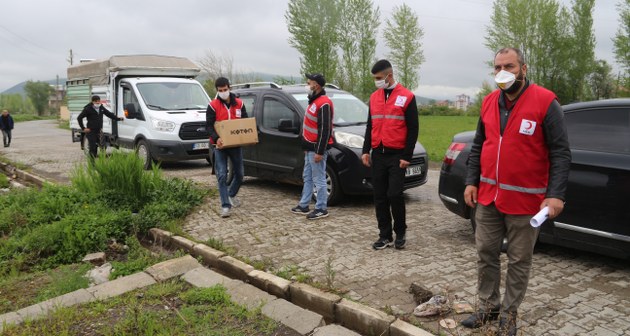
pixel 583 49
pixel 622 48
pixel 313 33
pixel 39 93
pixel 601 81
pixel 622 38
pixel 16 103
pixel 280 80
pixel 357 42
pixel 403 36
pixel 475 108
pixel 550 45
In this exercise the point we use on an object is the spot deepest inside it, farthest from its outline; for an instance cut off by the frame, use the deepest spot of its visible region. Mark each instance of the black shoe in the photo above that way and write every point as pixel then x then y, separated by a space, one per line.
pixel 480 318
pixel 399 243
pixel 299 210
pixel 507 325
pixel 317 214
pixel 382 243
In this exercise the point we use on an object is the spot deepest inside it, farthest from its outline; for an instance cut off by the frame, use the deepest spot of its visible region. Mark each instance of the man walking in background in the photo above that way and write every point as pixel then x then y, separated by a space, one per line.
pixel 6 125
pixel 94 113
pixel 316 140
pixel 391 135
pixel 519 163
pixel 226 107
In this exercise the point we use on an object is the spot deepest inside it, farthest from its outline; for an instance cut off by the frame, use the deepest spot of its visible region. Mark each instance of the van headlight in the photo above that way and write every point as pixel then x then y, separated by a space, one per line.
pixel 163 125
pixel 349 139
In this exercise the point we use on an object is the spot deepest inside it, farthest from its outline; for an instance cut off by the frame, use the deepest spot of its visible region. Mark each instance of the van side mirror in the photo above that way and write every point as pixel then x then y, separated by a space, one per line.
pixel 286 125
pixel 130 111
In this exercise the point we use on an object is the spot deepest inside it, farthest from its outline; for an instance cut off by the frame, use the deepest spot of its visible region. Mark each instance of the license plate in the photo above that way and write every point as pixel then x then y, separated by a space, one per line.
pixel 201 145
pixel 413 170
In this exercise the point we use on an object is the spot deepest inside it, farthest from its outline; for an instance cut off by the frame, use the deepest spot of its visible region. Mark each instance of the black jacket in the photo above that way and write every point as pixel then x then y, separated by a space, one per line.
pixel 6 123
pixel 94 119
pixel 324 127
pixel 556 139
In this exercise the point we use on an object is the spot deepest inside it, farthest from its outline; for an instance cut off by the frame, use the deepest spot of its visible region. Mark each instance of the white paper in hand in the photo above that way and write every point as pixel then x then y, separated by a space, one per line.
pixel 540 217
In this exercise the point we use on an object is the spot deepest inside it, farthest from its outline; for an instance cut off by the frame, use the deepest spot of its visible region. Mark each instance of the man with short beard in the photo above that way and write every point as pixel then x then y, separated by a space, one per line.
pixel 519 163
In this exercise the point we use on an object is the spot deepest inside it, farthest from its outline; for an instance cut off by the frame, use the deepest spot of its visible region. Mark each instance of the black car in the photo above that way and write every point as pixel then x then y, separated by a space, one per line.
pixel 279 111
pixel 596 217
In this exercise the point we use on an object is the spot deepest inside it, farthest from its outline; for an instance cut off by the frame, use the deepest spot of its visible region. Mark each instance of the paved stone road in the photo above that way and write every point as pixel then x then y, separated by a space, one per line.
pixel 571 292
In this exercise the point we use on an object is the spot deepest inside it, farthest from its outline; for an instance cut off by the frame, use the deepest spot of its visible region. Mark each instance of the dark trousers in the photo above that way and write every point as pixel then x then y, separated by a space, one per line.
pixel 6 137
pixel 388 181
pixel 94 141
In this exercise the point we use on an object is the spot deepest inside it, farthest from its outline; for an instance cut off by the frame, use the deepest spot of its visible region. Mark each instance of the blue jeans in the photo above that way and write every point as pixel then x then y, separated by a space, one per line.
pixel 220 166
pixel 314 176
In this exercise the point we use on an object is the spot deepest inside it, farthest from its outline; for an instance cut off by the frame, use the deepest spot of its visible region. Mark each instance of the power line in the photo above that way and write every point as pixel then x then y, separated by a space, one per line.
pixel 24 39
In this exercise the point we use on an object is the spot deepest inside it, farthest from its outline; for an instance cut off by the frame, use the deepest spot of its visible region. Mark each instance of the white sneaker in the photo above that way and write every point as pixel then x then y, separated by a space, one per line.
pixel 225 212
pixel 235 202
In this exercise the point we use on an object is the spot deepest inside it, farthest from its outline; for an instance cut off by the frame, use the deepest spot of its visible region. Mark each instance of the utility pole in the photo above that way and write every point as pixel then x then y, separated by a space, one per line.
pixel 71 58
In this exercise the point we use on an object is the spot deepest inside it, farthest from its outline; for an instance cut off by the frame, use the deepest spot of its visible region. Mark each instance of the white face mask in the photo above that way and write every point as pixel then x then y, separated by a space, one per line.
pixel 505 79
pixel 97 106
pixel 381 84
pixel 224 95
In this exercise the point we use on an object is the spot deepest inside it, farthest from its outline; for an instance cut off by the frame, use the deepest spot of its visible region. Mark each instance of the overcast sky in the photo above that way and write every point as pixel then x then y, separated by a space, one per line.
pixel 35 36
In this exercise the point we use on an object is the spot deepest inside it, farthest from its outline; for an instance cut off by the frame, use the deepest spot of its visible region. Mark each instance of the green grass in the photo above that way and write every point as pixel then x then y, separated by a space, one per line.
pixel 26 289
pixel 29 117
pixel 168 308
pixel 436 132
pixel 4 181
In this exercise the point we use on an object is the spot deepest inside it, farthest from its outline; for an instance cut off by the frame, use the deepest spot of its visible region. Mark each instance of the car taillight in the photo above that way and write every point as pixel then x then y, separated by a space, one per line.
pixel 453 151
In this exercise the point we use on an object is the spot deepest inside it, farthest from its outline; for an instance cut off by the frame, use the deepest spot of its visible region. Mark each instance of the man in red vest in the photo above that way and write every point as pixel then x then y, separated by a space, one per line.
pixel 519 163
pixel 316 140
pixel 391 135
pixel 225 107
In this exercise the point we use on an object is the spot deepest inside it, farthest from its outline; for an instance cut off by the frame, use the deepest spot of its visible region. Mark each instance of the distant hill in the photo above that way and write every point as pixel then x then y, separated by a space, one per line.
pixel 19 88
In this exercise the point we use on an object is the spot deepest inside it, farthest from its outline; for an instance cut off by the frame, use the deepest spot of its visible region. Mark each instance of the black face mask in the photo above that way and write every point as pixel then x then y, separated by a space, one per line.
pixel 518 84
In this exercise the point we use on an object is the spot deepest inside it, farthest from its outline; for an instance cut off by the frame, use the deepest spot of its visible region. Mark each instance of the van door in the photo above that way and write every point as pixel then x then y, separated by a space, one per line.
pixel 127 129
pixel 279 151
pixel 249 152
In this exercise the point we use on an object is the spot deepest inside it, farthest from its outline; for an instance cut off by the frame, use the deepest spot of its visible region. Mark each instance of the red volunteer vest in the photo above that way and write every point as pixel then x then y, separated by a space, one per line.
pixel 388 117
pixel 515 166
pixel 309 127
pixel 225 113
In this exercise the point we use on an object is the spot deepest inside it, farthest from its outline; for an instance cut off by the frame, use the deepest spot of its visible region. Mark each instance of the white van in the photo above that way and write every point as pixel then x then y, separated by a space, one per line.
pixel 163 106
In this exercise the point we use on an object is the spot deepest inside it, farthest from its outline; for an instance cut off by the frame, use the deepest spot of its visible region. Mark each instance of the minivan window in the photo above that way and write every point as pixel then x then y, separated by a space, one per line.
pixel 348 109
pixel 248 103
pixel 173 96
pixel 603 130
pixel 273 111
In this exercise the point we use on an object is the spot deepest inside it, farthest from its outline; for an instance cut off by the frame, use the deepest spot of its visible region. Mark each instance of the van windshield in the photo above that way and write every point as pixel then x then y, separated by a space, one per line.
pixel 173 96
pixel 349 110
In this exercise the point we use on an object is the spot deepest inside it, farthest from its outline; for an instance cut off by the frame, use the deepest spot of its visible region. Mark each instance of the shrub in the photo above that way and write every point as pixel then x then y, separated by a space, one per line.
pixel 120 178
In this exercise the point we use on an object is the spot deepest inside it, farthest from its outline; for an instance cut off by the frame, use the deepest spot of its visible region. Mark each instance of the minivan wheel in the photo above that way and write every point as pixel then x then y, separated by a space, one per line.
pixel 144 153
pixel 332 186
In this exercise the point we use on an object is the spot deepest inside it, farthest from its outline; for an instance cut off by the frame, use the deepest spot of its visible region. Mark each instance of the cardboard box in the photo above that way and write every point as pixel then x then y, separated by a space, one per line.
pixel 237 132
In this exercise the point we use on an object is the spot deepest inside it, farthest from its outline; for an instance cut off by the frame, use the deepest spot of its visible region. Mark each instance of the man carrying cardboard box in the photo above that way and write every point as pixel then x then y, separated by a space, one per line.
pixel 225 107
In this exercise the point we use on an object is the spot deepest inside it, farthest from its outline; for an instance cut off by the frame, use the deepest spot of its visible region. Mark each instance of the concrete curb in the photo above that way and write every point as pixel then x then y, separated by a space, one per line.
pixel 26 176
pixel 333 308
